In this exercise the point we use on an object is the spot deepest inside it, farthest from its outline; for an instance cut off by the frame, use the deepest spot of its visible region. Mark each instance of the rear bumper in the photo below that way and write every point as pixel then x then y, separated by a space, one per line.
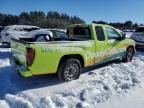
pixel 20 69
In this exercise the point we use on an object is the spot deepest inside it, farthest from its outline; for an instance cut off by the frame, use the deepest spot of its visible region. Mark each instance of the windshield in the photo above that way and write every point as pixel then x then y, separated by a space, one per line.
pixel 141 29
pixel 79 32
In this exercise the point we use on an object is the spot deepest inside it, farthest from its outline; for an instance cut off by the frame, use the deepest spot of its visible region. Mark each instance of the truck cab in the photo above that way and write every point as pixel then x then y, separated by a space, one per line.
pixel 108 42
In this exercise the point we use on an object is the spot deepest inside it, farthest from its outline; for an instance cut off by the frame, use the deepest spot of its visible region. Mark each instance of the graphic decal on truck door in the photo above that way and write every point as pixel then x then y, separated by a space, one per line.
pixel 104 53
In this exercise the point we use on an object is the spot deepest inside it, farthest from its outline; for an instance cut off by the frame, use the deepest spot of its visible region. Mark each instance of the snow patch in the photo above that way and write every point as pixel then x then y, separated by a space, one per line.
pixel 95 86
pixel 4 104
pixel 18 102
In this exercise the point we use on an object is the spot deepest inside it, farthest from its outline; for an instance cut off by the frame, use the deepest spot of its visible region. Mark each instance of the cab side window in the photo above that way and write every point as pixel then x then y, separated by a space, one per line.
pixel 100 33
pixel 111 33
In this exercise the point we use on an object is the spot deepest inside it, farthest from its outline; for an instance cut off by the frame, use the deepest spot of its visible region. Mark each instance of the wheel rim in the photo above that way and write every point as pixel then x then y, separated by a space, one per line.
pixel 71 72
pixel 130 54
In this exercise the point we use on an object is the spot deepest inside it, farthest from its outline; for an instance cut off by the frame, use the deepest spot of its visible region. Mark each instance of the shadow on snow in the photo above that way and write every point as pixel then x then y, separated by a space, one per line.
pixel 11 82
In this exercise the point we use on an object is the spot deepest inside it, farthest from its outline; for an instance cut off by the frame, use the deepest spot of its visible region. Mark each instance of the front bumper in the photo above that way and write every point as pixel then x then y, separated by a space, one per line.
pixel 20 69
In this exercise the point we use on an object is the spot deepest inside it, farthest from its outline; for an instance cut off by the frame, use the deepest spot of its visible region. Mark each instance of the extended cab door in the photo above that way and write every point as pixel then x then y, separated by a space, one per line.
pixel 114 43
pixel 101 45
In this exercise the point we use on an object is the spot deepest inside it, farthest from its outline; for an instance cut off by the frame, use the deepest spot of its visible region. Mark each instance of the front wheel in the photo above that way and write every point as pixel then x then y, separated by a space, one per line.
pixel 69 69
pixel 129 55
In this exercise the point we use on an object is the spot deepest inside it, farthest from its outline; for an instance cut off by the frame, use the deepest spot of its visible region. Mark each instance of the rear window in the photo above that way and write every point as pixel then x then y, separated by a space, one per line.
pixel 25 29
pixel 80 32
pixel 141 29
pixel 30 29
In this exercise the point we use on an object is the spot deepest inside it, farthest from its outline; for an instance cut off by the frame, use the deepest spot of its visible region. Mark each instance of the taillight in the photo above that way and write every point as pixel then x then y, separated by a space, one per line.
pixel 30 55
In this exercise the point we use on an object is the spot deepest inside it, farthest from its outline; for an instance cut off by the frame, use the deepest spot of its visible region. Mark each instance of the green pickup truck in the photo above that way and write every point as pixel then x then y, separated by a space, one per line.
pixel 85 45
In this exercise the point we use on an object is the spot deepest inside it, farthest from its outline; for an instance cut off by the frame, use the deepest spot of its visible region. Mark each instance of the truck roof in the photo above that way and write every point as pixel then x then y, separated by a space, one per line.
pixel 91 24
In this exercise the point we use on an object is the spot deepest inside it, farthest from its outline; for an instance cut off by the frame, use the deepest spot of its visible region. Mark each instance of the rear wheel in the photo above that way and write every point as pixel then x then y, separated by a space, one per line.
pixel 129 54
pixel 69 69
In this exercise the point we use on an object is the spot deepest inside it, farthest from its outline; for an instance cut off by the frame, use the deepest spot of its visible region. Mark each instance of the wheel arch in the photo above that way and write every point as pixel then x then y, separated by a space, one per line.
pixel 76 56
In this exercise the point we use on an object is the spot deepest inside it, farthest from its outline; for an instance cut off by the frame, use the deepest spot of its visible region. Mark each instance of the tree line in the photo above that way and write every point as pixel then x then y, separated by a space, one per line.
pixel 52 19
pixel 121 25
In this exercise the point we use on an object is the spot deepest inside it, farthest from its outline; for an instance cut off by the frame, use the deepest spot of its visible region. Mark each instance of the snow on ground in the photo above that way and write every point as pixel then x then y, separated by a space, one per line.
pixel 96 85
pixel 134 99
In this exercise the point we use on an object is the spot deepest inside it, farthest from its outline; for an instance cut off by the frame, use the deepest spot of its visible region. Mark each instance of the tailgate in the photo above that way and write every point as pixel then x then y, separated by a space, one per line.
pixel 18 48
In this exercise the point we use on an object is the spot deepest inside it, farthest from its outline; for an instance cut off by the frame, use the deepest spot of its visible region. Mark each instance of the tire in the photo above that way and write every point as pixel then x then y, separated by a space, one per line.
pixel 129 54
pixel 69 69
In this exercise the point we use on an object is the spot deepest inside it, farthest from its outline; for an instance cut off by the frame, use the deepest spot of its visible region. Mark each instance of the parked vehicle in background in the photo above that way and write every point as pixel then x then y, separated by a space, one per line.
pixel 15 31
pixel 86 45
pixel 58 33
pixel 43 35
pixel 128 33
pixel 138 36
pixel 1 28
